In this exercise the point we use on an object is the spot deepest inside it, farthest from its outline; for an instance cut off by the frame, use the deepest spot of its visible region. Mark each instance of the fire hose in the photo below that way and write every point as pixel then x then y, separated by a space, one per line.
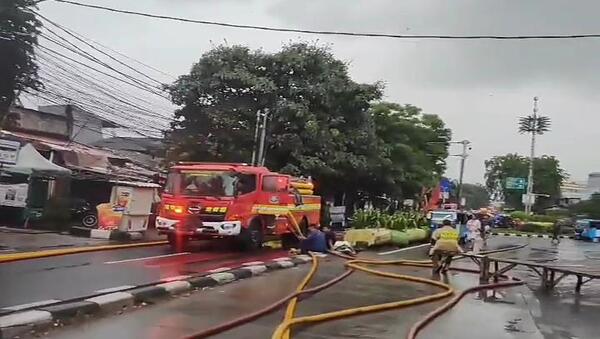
pixel 283 330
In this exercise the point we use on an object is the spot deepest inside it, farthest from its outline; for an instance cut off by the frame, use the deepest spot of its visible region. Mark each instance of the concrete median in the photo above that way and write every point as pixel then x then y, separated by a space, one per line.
pixel 21 319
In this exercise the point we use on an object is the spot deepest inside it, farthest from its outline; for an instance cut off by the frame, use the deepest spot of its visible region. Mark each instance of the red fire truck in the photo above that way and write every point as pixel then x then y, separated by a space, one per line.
pixel 246 204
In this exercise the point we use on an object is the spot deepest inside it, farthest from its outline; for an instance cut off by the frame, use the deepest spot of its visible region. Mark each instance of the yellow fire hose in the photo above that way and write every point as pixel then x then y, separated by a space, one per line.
pixel 283 330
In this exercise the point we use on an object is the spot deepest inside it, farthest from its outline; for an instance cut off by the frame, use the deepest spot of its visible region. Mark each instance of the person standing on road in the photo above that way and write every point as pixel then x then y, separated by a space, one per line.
pixel 474 235
pixel 556 232
pixel 446 244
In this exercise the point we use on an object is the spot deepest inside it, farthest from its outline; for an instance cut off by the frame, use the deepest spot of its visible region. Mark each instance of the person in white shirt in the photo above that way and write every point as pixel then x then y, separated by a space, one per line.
pixel 474 229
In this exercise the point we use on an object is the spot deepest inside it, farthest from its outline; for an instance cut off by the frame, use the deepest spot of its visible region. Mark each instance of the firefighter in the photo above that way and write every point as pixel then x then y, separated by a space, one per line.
pixel 446 245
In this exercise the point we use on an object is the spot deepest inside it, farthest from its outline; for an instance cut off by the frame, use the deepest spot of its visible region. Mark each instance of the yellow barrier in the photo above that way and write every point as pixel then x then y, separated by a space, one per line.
pixel 368 237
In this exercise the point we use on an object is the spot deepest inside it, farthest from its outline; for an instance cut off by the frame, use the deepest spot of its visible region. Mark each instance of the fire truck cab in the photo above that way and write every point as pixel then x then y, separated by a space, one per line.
pixel 247 204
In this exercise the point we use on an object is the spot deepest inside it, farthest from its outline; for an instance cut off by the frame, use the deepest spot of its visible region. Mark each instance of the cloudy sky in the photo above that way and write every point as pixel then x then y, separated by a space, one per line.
pixel 478 87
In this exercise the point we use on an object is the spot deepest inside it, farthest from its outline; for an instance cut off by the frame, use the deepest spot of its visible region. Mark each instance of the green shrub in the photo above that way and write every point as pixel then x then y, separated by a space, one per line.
pixel 537 227
pixel 535 217
pixel 365 219
pixel 399 221
pixel 400 238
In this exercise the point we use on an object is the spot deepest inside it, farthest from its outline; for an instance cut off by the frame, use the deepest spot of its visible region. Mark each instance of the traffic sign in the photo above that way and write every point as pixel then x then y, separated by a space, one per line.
pixel 513 183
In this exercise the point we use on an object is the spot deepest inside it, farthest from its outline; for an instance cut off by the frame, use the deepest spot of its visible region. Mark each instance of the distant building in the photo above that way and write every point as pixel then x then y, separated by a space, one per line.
pixel 146 151
pixel 593 184
pixel 84 127
pixel 572 192
pixel 39 123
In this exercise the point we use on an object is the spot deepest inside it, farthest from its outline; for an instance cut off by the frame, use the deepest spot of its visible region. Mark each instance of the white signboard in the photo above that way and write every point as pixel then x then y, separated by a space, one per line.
pixel 8 151
pixel 525 198
pixel 13 195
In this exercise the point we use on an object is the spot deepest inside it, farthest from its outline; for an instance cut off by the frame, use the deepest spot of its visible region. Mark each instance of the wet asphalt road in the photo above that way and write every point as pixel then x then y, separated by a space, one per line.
pixel 562 313
pixel 73 276
pixel 518 313
pixel 185 315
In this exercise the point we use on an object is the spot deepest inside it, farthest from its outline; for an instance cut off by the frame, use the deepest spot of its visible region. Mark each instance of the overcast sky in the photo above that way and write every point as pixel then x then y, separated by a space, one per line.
pixel 478 87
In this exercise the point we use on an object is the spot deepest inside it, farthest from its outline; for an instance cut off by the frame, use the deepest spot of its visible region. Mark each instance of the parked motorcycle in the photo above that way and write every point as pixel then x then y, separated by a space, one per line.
pixel 84 213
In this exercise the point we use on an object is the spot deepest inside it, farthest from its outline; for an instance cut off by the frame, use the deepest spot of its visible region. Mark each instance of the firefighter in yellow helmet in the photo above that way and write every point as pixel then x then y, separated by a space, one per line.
pixel 446 244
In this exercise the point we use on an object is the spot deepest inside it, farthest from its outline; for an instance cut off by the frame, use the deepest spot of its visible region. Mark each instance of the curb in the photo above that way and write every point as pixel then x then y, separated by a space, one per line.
pixel 21 319
pixel 545 236
pixel 85 232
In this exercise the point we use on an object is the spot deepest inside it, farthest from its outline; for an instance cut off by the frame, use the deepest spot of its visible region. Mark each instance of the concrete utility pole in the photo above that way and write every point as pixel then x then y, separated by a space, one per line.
pixel 528 202
pixel 463 157
pixel 255 145
pixel 260 161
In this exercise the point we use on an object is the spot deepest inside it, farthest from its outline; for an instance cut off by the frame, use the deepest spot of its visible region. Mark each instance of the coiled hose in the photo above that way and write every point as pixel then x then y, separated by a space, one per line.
pixel 283 330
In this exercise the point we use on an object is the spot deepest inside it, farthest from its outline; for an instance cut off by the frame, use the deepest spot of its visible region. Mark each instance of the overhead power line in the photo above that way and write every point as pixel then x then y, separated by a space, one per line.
pixel 94 47
pixel 342 33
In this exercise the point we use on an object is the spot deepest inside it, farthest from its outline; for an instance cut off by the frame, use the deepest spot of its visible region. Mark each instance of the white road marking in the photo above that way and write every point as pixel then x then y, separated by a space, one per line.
pixel 403 249
pixel 146 258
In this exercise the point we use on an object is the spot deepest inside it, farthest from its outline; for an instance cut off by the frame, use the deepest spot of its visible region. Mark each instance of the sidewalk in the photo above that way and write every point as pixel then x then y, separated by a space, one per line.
pixel 16 240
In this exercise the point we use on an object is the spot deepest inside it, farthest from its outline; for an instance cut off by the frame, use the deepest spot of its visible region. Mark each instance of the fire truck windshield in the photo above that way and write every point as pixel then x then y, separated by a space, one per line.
pixel 210 183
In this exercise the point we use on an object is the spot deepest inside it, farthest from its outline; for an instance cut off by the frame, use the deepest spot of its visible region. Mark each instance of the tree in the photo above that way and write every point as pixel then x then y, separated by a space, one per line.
pixel 590 208
pixel 547 175
pixel 410 149
pixel 19 29
pixel 320 122
pixel 476 195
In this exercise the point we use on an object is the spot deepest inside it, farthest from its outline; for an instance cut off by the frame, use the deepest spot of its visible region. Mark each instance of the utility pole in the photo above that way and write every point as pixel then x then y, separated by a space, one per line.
pixel 255 145
pixel 260 161
pixel 463 157
pixel 528 202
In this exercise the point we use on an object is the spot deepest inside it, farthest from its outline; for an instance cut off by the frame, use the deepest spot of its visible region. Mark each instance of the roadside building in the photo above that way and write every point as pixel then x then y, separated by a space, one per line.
pixel 572 192
pixel 64 135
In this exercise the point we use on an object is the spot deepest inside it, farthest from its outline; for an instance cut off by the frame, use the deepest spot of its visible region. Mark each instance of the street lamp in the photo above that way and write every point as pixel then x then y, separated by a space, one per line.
pixel 466 146
pixel 463 157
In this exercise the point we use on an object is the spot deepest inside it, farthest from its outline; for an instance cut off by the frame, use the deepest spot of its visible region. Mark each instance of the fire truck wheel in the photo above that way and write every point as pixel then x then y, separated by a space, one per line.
pixel 251 238
pixel 178 243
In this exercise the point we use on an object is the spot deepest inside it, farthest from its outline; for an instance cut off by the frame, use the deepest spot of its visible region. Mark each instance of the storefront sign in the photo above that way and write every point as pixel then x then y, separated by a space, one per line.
pixel 13 195
pixel 8 151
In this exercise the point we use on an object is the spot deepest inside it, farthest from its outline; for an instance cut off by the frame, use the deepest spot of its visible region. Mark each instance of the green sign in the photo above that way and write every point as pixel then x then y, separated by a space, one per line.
pixel 516 183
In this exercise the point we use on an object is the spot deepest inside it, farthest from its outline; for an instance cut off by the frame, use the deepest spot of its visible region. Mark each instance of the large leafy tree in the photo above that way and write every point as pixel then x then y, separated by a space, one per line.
pixel 320 122
pixel 589 208
pixel 410 149
pixel 547 176
pixel 18 37
pixel 476 196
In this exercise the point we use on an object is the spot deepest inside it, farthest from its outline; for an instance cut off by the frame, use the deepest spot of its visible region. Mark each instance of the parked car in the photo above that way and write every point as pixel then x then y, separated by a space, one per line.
pixel 82 212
